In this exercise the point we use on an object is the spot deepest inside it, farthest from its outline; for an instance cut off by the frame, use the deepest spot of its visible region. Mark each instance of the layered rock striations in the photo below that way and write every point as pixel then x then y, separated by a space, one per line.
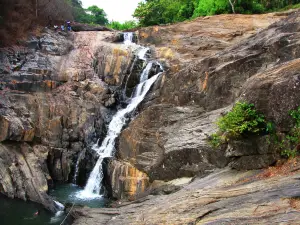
pixel 58 94
pixel 55 103
pixel 169 137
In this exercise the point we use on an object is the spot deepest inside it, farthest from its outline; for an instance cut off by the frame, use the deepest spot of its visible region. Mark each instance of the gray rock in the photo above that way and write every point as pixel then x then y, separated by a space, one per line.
pixel 241 148
pixel 22 175
pixel 253 162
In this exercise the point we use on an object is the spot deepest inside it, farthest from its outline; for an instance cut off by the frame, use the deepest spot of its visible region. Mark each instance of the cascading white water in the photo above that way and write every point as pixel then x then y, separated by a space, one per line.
pixel 142 53
pixel 77 167
pixel 144 76
pixel 145 73
pixel 128 38
pixel 107 148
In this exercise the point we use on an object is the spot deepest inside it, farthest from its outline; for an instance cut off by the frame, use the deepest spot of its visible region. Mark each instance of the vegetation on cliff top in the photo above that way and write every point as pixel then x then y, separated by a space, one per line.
pixel 153 12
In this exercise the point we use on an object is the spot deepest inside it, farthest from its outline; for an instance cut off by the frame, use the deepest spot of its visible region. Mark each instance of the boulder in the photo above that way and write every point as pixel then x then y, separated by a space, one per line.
pixel 126 181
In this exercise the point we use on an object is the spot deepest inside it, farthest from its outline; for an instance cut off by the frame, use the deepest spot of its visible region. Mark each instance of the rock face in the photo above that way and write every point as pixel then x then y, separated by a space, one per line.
pixel 178 148
pixel 59 92
pixel 203 37
pixel 126 181
pixel 22 175
pixel 225 197
pixel 55 102
pixel 168 139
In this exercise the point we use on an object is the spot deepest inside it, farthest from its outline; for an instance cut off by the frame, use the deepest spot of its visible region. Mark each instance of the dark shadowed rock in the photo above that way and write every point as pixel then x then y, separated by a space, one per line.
pixel 86 27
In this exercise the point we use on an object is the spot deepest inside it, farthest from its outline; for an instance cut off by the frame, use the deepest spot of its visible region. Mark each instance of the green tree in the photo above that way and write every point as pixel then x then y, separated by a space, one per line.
pixel 98 15
pixel 211 7
pixel 153 12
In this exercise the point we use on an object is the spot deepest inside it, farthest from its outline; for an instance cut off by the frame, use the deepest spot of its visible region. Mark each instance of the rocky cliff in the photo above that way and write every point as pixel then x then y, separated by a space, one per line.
pixel 59 91
pixel 210 66
pixel 169 137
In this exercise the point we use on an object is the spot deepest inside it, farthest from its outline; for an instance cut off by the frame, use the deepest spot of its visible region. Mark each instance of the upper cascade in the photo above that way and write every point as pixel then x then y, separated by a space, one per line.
pixel 128 38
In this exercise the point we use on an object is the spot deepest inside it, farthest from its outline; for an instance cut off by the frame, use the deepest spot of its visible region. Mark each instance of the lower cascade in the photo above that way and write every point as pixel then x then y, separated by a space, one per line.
pixel 107 148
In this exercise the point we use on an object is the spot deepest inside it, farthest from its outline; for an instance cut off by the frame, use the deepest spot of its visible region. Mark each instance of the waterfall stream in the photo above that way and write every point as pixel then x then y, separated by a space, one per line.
pixel 81 154
pixel 128 38
pixel 107 148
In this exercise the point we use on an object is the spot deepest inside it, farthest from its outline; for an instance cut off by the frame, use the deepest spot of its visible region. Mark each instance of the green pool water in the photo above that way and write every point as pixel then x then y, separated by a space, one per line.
pixel 18 212
pixel 70 193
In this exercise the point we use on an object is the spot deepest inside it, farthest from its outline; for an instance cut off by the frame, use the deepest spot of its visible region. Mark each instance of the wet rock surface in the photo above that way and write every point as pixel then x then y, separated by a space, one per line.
pixel 127 182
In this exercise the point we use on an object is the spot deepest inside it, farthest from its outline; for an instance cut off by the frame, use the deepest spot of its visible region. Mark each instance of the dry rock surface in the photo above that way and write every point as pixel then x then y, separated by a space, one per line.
pixel 225 197
pixel 168 139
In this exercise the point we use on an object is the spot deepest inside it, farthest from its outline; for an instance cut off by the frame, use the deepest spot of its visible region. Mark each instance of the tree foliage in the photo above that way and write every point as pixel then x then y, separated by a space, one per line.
pixel 153 12
pixel 91 15
pixel 18 17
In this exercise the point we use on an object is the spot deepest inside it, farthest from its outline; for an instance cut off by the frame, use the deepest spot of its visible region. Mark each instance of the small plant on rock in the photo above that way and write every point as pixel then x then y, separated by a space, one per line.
pixel 242 120
pixel 215 140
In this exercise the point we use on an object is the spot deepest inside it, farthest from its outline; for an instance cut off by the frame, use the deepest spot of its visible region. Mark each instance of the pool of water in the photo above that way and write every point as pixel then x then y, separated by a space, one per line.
pixel 18 212
pixel 70 193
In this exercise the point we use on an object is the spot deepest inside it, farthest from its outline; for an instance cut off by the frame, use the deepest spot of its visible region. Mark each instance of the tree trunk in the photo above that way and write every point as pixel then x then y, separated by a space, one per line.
pixel 36 8
pixel 232 5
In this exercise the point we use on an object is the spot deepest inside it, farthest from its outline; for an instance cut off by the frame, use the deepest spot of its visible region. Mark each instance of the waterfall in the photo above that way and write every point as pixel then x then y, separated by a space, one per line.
pixel 77 167
pixel 142 53
pixel 128 38
pixel 107 148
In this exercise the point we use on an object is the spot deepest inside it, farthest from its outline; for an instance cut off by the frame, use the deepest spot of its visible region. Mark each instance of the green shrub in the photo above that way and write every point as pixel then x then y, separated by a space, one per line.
pixel 288 153
pixel 243 119
pixel 215 140
pixel 131 24
pixel 288 143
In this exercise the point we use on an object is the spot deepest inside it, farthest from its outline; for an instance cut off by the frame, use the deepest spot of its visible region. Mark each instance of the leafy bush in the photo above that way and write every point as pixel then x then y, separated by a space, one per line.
pixel 215 140
pixel 243 119
pixel 153 12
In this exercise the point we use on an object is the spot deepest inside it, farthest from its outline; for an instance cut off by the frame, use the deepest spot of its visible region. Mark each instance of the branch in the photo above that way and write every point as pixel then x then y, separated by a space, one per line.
pixel 232 5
